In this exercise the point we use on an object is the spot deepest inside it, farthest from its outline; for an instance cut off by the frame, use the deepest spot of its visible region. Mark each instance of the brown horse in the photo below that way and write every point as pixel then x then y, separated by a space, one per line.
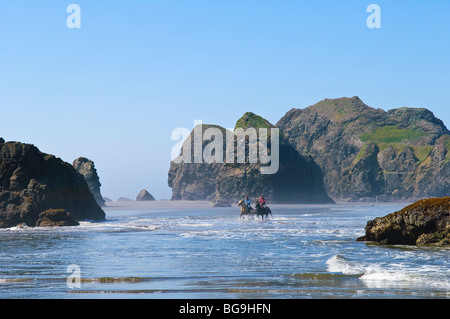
pixel 245 210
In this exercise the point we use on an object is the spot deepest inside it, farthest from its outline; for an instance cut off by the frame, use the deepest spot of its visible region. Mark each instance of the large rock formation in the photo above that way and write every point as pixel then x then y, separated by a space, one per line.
pixel 423 223
pixel 370 154
pixel 297 180
pixel 194 181
pixel 86 168
pixel 32 182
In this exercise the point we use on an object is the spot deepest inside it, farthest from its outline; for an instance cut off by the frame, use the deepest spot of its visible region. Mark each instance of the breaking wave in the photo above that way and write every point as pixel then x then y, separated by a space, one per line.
pixel 390 275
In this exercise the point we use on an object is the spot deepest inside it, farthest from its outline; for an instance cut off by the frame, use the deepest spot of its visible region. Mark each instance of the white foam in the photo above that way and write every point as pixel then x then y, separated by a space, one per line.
pixel 339 264
pixel 393 275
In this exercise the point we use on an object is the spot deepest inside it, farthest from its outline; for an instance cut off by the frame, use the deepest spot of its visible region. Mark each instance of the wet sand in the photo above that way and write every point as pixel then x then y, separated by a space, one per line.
pixel 157 205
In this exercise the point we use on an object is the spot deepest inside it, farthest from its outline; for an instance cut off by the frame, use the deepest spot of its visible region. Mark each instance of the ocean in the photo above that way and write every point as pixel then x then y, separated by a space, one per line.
pixel 190 250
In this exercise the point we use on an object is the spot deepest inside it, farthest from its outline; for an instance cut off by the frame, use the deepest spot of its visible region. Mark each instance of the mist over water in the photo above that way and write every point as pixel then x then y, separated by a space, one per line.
pixel 190 250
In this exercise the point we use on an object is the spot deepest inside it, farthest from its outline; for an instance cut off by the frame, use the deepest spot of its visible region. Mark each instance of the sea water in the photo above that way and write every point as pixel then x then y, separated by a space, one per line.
pixel 190 251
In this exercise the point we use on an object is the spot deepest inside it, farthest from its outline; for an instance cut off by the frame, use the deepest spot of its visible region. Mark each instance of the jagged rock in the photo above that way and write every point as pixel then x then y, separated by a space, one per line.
pixel 86 168
pixel 369 153
pixel 298 179
pixel 144 195
pixel 426 222
pixel 432 177
pixel 56 217
pixel 194 181
pixel 32 182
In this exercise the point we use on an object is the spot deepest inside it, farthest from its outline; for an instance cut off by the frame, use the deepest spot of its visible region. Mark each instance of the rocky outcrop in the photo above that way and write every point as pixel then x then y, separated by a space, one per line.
pixel 86 168
pixel 194 180
pixel 32 182
pixel 370 154
pixel 297 180
pixel 144 196
pixel 426 222
pixel 56 218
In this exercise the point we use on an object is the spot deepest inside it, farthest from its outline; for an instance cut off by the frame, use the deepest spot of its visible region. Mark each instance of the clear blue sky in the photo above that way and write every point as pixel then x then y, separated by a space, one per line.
pixel 114 90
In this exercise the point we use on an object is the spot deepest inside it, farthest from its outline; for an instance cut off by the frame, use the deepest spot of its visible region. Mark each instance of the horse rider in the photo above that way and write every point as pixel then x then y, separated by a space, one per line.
pixel 247 201
pixel 262 201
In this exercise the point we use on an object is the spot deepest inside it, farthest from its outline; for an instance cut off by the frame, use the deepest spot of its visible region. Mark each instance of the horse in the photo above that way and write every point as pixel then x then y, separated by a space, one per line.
pixel 245 210
pixel 263 211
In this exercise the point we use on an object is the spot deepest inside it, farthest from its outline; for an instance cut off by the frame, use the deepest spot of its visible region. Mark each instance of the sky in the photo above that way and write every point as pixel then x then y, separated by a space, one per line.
pixel 114 89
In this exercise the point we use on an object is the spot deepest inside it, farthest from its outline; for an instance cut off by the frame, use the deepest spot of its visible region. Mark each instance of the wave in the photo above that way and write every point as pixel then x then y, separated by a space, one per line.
pixel 394 275
pixel 340 264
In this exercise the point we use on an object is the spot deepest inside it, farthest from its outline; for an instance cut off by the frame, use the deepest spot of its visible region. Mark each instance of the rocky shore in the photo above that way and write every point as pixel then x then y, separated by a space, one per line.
pixel 425 222
pixel 39 189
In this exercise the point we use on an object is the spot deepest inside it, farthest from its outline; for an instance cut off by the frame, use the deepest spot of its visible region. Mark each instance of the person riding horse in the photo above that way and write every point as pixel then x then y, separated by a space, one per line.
pixel 261 208
pixel 247 201
pixel 246 208
pixel 262 201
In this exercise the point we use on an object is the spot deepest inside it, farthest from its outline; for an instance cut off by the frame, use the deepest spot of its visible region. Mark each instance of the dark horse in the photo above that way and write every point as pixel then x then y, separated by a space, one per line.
pixel 263 211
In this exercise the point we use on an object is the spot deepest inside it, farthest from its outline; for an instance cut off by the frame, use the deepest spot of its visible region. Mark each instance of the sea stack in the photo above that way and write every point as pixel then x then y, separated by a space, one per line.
pixel 144 196
pixel 297 178
pixel 369 154
pixel 86 168
pixel 32 182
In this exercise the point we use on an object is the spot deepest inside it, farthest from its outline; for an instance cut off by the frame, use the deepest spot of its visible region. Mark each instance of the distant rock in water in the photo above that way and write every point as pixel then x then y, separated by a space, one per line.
pixel 426 222
pixel 144 195
pixel 370 154
pixel 86 168
pixel 297 180
pixel 123 199
pixel 32 182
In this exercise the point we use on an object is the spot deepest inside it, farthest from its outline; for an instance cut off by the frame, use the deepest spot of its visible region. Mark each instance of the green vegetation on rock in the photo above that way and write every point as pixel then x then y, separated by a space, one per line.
pixel 393 134
pixel 411 146
pixel 250 119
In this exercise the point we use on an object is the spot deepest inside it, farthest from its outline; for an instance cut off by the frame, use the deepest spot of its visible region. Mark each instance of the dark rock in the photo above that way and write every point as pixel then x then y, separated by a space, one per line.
pixel 298 179
pixel 32 182
pixel 86 168
pixel 55 217
pixel 426 222
pixel 194 181
pixel 144 195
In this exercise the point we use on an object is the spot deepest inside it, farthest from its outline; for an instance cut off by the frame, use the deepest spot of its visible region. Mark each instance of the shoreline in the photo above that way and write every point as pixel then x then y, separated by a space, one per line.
pixel 185 204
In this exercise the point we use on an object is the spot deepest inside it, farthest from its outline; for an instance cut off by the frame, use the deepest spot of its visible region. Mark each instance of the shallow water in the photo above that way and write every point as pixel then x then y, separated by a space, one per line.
pixel 302 251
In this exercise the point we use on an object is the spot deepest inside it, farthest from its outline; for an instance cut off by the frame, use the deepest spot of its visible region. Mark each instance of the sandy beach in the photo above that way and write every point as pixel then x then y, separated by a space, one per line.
pixel 156 205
